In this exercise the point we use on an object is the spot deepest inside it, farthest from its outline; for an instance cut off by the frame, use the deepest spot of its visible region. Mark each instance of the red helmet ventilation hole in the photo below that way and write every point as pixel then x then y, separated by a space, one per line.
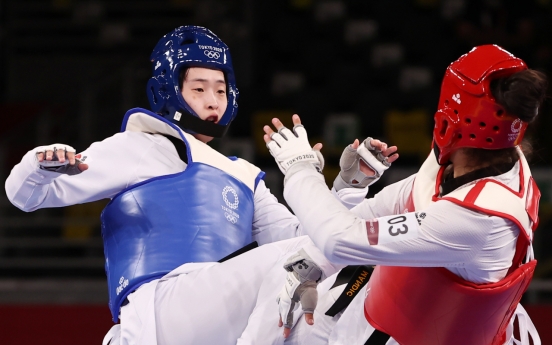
pixel 444 127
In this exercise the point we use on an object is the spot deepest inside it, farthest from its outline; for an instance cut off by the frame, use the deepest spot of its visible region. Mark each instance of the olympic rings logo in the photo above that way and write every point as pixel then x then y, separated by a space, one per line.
pixel 233 205
pixel 230 218
pixel 516 126
pixel 211 54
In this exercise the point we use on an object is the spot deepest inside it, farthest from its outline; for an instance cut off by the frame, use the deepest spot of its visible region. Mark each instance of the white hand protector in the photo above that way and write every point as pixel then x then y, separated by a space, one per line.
pixel 350 174
pixel 301 281
pixel 289 148
pixel 55 164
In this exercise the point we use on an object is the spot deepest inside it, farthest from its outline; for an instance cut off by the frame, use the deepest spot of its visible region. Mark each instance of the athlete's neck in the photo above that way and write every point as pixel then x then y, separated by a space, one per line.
pixel 461 163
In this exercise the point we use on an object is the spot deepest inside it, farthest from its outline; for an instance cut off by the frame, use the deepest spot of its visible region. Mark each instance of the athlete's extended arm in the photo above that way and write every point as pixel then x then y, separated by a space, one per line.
pixel 273 221
pixel 405 240
pixel 114 164
pixel 445 236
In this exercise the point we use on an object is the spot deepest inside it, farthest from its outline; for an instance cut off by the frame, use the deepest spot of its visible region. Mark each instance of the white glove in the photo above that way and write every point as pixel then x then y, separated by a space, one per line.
pixel 289 148
pixel 300 287
pixel 350 174
pixel 55 164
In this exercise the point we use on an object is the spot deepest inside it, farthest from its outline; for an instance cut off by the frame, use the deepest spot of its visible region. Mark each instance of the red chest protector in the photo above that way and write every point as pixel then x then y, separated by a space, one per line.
pixel 433 306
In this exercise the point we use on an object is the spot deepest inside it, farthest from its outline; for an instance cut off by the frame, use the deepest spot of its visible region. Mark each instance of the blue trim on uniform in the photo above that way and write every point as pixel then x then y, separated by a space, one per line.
pixel 139 110
pixel 160 118
pixel 130 290
pixel 259 177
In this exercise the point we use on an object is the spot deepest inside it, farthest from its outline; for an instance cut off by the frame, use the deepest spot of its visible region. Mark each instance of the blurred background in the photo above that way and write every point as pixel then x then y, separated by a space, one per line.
pixel 70 69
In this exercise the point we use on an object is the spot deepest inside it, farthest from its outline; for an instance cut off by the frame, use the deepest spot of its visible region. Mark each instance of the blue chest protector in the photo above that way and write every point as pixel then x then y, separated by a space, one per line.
pixel 199 215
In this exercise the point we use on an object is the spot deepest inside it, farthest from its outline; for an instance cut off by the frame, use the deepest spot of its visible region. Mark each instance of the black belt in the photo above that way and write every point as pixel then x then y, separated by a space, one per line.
pixel 357 277
pixel 242 250
pixel 377 338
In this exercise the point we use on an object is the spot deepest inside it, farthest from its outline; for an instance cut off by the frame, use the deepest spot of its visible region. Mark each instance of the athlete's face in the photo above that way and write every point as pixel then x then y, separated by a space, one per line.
pixel 204 90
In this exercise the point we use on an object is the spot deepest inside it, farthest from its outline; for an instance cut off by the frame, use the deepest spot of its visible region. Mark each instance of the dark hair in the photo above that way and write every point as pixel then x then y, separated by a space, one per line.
pixel 521 94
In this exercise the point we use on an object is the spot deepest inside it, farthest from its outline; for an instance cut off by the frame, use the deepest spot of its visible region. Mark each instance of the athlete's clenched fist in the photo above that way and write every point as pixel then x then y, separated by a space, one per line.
pixel 60 158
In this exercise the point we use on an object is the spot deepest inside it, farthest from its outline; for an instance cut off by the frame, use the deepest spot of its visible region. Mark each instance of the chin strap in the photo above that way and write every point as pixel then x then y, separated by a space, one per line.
pixel 185 120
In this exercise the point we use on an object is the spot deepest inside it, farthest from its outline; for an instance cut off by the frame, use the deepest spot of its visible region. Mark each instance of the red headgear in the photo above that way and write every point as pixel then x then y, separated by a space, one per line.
pixel 468 115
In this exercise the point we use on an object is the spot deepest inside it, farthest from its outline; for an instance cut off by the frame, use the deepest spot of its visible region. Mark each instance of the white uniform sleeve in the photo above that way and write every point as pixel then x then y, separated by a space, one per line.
pixel 350 197
pixel 272 221
pixel 114 164
pixel 390 200
pixel 447 236
pixel 328 268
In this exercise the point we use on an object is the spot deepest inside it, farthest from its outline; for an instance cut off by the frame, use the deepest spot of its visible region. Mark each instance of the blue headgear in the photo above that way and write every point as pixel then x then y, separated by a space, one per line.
pixel 189 46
